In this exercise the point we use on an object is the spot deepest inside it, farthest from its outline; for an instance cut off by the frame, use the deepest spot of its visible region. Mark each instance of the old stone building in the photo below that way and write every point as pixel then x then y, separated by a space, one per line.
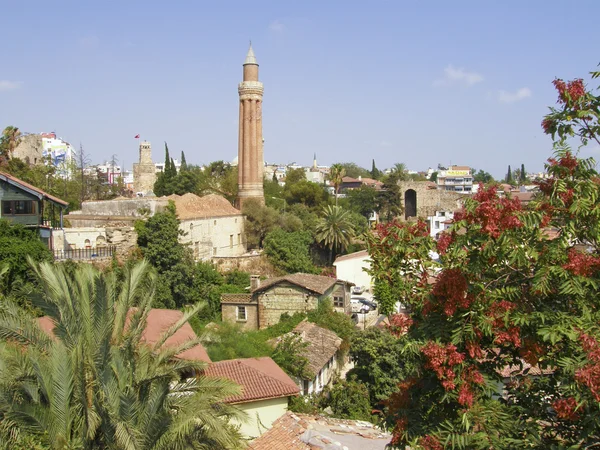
pixel 250 145
pixel 30 149
pixel 423 199
pixel 144 172
pixel 210 225
pixel 269 299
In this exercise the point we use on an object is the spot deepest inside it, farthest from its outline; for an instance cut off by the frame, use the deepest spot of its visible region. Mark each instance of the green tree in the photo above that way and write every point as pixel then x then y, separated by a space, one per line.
pixel 349 399
pixel 482 177
pixel 289 252
pixel 375 172
pixel 17 244
pixel 306 192
pixel 293 176
pixel 336 175
pixel 96 383
pixel 434 177
pixel 164 183
pixel 509 176
pixel 362 200
pixel 335 230
pixel 11 136
pixel 289 354
pixel 379 363
pixel 354 170
pixel 260 220
pixel 158 239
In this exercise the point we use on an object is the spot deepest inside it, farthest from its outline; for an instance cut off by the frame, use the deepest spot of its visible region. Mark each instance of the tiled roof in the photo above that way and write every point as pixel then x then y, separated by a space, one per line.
pixel 322 344
pixel 314 283
pixel 285 434
pixel 42 195
pixel 236 298
pixel 260 378
pixel 354 255
pixel 190 206
pixel 307 432
pixel 159 320
pixel 525 369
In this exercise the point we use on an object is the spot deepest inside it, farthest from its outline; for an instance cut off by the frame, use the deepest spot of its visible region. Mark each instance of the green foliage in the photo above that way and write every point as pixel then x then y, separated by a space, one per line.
pixel 482 177
pixel 260 220
pixel 289 251
pixel 293 176
pixel 97 383
pixel 353 170
pixel 226 343
pixel 362 200
pixel 158 240
pixel 17 244
pixel 305 192
pixel 509 176
pixel 238 278
pixel 389 199
pixel 335 230
pixel 375 172
pixel 306 404
pixel 289 354
pixel 350 400
pixel 325 316
pixel 379 363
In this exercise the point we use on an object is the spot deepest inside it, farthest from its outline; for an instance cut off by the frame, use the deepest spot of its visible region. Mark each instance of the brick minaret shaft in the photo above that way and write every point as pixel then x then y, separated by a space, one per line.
pixel 250 148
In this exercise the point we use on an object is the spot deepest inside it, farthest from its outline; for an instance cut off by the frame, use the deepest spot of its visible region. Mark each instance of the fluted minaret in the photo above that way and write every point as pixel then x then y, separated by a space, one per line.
pixel 250 148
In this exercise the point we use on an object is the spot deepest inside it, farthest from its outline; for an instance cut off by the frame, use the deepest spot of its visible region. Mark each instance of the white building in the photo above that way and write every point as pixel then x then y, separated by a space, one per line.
pixel 439 222
pixel 353 267
pixel 456 179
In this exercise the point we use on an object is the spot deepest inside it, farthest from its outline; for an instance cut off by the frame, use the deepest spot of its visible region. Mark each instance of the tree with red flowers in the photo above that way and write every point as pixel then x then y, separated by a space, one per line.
pixel 505 327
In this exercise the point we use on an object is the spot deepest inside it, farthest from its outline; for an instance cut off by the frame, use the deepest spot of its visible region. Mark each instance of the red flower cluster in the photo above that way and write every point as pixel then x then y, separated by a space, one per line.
pixel 511 335
pixel 582 264
pixel 531 351
pixel 571 90
pixel 451 288
pixel 589 375
pixel 569 162
pixel 441 359
pixel 399 324
pixel 548 125
pixel 566 409
pixel 430 443
pixel 443 242
pixel 494 214
pixel 474 349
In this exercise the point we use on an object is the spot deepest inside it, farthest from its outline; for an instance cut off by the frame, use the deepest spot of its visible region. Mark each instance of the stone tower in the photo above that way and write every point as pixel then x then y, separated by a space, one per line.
pixel 144 172
pixel 250 146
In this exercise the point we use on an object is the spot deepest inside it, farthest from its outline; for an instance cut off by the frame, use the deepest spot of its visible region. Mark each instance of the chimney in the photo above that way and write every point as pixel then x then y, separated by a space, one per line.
pixel 254 282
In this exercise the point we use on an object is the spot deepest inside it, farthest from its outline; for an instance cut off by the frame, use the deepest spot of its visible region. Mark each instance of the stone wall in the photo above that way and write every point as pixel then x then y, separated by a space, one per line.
pixel 30 149
pixel 229 315
pixel 218 236
pixel 123 238
pixel 283 298
pixel 429 198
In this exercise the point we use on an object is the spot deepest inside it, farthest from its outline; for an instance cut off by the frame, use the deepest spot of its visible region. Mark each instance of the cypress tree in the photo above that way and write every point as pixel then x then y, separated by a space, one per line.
pixel 375 173
pixel 183 162
pixel 167 167
pixel 509 177
pixel 523 175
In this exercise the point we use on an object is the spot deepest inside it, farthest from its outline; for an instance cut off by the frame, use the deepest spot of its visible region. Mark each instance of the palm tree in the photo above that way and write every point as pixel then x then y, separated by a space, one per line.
pixel 335 229
pixel 94 382
pixel 11 136
pixel 336 175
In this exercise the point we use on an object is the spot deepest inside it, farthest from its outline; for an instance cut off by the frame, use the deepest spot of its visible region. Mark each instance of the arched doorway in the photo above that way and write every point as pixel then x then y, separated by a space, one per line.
pixel 410 203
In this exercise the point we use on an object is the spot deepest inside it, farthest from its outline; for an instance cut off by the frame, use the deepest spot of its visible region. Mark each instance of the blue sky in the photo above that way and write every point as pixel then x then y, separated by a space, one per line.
pixel 462 82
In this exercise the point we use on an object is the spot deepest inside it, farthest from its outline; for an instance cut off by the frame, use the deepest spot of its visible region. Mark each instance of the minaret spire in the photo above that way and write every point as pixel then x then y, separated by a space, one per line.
pixel 250 58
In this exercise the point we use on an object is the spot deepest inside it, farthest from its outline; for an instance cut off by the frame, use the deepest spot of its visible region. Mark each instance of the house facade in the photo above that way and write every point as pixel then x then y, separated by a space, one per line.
pixel 24 204
pixel 353 267
pixel 269 299
pixel 265 391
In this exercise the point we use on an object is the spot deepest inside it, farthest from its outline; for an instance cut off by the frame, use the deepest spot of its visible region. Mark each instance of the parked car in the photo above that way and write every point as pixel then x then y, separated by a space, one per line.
pixel 368 303
pixel 362 305
pixel 358 289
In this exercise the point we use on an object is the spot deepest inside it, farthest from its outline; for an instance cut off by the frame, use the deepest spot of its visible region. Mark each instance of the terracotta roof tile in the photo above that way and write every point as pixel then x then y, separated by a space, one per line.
pixel 159 320
pixel 314 283
pixel 260 378
pixel 285 434
pixel 14 180
pixel 322 344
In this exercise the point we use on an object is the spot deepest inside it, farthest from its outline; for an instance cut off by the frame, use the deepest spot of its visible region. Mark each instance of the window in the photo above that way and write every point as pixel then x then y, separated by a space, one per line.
pixel 214 251
pixel 239 238
pixel 338 301
pixel 215 222
pixel 231 241
pixel 241 314
pixel 18 207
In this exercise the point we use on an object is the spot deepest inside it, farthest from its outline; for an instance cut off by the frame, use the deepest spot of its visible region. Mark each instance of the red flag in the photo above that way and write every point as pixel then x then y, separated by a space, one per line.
pixel 137 136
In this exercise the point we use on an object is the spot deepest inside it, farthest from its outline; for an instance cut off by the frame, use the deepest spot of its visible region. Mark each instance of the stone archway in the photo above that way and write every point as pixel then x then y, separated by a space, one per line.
pixel 410 203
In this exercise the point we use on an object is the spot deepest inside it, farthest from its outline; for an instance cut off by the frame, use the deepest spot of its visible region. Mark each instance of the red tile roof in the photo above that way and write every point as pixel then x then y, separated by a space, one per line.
pixel 260 378
pixel 323 344
pixel 28 187
pixel 159 320
pixel 236 298
pixel 285 434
